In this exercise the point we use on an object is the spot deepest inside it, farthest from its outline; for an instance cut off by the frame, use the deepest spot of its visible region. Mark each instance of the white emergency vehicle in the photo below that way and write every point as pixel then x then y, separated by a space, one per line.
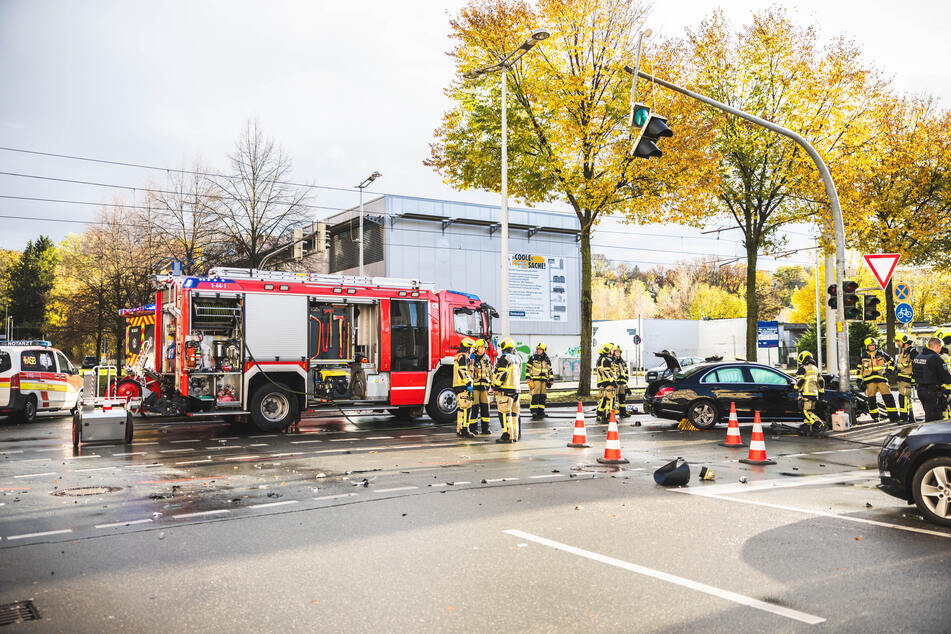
pixel 36 377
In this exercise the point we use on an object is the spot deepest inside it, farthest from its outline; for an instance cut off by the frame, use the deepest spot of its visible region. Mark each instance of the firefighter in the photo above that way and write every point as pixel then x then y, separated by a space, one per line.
pixel 901 365
pixel 481 385
pixel 539 380
pixel 462 386
pixel 809 385
pixel 606 382
pixel 622 374
pixel 944 334
pixel 505 382
pixel 872 372
pixel 931 372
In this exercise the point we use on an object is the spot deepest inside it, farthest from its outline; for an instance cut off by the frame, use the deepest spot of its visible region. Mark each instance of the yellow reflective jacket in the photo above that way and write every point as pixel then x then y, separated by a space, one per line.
pixel 461 379
pixel 809 381
pixel 481 371
pixel 605 370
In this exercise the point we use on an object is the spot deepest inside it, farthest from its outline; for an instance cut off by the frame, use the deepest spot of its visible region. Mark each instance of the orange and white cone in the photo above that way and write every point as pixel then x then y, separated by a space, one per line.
pixel 757 445
pixel 612 448
pixel 580 437
pixel 733 431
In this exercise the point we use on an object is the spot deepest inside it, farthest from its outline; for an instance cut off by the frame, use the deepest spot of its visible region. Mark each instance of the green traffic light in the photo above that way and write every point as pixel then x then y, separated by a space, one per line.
pixel 641 115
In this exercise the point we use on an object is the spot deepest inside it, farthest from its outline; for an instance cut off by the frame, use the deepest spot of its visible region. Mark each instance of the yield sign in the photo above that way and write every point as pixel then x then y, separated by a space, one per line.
pixel 882 265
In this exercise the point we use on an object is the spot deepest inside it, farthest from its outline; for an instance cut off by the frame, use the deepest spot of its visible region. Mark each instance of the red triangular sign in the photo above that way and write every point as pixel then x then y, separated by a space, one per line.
pixel 882 265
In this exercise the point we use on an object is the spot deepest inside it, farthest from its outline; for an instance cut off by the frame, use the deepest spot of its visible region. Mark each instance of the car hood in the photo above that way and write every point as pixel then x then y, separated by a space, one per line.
pixel 942 430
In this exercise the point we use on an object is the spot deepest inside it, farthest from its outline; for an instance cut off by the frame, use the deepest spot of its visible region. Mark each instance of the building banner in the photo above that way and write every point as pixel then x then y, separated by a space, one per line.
pixel 538 288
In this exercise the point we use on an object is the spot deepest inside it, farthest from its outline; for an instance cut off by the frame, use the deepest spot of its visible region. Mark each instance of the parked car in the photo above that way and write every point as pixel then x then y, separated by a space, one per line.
pixel 915 465
pixel 665 371
pixel 36 377
pixel 89 363
pixel 703 394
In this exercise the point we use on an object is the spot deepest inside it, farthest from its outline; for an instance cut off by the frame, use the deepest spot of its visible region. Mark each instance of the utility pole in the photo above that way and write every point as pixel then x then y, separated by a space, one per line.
pixel 837 221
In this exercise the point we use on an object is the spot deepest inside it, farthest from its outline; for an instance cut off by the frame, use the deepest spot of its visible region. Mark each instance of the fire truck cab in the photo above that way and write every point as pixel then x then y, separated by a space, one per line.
pixel 268 345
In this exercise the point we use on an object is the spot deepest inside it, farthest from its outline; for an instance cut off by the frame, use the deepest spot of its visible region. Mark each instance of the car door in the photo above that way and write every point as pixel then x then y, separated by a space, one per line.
pixel 776 394
pixel 729 385
pixel 38 377
pixel 72 382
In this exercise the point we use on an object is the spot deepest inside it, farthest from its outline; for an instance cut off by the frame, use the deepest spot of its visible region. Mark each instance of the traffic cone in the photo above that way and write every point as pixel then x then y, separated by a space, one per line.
pixel 580 437
pixel 757 445
pixel 612 448
pixel 733 431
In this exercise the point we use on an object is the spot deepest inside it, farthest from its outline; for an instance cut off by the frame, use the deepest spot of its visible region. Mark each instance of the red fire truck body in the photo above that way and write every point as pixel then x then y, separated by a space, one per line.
pixel 268 345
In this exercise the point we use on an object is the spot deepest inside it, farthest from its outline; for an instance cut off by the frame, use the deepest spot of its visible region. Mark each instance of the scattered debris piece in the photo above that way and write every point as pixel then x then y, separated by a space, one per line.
pixel 743 479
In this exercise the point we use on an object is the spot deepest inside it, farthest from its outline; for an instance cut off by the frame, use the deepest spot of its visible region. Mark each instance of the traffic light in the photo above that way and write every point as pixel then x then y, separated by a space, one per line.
pixel 870 308
pixel 850 300
pixel 652 128
pixel 298 244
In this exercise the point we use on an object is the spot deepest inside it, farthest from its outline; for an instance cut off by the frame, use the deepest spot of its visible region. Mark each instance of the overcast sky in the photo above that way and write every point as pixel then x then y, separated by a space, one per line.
pixel 345 87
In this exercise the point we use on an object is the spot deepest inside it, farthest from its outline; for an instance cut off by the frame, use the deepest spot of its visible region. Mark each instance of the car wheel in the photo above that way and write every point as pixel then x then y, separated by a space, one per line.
pixel 442 402
pixel 931 488
pixel 273 408
pixel 703 414
pixel 28 414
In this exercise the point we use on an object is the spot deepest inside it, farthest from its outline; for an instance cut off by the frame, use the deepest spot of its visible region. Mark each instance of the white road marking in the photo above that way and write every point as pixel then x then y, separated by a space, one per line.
pixel 242 457
pixel 462 482
pixel 342 439
pixel 772 608
pixel 36 460
pixel 264 436
pixel 35 475
pixel 173 442
pixel 185 450
pixel 11 451
pixel 227 438
pixel 201 514
pixel 259 444
pixel 129 523
pixel 280 455
pixel 132 453
pixel 304 442
pixel 222 448
pixel 859 520
pixel 194 461
pixel 395 489
pixel 144 466
pixel 760 485
pixel 53 448
pixel 331 451
pixel 379 437
pixel 43 534
pixel 95 469
pixel 548 475
pixel 334 497
pixel 501 479
pixel 269 504
pixel 81 457
pixel 151 442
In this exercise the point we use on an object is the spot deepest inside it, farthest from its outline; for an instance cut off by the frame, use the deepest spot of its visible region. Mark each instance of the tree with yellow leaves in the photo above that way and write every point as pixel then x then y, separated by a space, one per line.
pixel 569 136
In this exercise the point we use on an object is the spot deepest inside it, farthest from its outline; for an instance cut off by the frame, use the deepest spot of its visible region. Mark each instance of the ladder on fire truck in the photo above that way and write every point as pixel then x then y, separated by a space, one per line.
pixel 222 272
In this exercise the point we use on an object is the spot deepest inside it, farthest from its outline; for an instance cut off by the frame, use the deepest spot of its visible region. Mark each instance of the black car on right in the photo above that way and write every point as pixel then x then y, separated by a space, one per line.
pixel 915 465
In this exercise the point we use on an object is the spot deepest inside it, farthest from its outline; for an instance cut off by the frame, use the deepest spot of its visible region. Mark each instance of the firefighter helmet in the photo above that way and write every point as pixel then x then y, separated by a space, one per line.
pixel 506 344
pixel 468 344
pixel 542 346
pixel 903 339
pixel 869 341
pixel 606 348
pixel 480 343
pixel 944 335
pixel 805 357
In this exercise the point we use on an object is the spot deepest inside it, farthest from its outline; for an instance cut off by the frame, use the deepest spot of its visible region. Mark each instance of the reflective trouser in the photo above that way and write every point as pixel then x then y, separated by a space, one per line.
pixel 508 409
pixel 463 403
pixel 480 400
pixel 606 395
pixel 933 402
pixel 906 411
pixel 881 387
pixel 809 416
pixel 621 396
pixel 539 391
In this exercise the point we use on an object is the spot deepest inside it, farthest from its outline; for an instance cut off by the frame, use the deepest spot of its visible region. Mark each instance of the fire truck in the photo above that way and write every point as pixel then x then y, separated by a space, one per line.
pixel 268 345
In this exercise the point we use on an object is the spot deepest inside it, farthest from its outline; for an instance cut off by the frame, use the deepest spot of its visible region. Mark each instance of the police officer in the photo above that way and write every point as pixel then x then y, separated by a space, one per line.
pixel 872 372
pixel 606 382
pixel 810 385
pixel 506 382
pixel 481 366
pixel 931 372
pixel 945 336
pixel 902 368
pixel 622 375
pixel 539 380
pixel 462 386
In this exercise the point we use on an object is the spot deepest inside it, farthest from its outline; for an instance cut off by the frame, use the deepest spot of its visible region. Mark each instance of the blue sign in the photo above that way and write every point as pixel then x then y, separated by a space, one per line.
pixel 767 334
pixel 902 292
pixel 904 312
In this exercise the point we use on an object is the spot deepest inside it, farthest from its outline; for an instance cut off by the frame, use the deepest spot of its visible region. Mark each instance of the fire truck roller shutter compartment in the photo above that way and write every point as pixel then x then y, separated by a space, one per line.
pixel 276 327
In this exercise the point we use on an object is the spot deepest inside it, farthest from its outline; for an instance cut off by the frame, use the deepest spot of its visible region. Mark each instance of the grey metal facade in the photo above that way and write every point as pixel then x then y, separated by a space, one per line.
pixel 457 246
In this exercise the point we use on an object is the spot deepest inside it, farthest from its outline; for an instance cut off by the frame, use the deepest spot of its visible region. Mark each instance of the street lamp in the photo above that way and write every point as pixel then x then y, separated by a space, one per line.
pixel 501 67
pixel 366 182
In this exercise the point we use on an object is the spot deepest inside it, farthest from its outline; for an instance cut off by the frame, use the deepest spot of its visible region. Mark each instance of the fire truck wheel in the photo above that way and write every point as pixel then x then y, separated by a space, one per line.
pixel 273 408
pixel 442 402
pixel 28 414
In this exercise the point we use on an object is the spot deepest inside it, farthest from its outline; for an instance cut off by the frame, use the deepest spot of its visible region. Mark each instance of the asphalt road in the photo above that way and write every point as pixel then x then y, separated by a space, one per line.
pixel 370 525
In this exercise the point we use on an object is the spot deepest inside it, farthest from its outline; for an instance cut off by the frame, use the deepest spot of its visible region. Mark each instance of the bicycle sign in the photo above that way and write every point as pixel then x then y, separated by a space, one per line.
pixel 902 292
pixel 904 313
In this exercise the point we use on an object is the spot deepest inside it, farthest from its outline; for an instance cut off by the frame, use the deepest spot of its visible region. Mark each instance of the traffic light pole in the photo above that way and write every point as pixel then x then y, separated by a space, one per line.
pixel 838 224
